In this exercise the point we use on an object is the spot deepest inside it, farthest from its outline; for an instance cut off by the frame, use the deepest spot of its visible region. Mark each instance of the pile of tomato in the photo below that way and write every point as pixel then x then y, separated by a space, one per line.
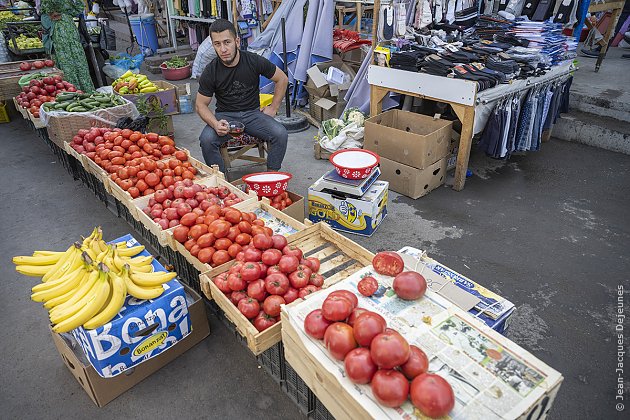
pixel 269 273
pixel 41 91
pixel 376 355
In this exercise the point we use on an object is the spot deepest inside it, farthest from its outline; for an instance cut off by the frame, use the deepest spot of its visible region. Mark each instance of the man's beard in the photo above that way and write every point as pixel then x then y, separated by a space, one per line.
pixel 231 60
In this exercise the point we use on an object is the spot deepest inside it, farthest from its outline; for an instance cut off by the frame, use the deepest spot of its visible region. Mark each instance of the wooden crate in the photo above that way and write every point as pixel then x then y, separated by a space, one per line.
pixel 36 121
pixel 99 173
pixel 165 237
pixel 339 257
pixel 21 110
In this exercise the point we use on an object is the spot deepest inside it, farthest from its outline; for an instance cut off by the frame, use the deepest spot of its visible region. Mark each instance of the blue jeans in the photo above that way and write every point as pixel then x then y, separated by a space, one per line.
pixel 256 124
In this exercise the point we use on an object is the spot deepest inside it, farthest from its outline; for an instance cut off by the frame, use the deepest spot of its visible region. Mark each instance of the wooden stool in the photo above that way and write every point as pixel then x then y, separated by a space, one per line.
pixel 236 148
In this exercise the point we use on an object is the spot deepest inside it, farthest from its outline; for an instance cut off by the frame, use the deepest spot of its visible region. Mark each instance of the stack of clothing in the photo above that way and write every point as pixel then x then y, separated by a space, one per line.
pixel 545 37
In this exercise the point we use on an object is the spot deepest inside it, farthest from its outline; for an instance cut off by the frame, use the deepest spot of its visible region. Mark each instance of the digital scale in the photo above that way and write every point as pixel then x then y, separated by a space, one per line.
pixel 332 181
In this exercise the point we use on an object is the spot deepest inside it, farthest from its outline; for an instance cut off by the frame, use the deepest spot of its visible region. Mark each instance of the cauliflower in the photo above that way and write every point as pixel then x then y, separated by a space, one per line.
pixel 332 127
pixel 354 115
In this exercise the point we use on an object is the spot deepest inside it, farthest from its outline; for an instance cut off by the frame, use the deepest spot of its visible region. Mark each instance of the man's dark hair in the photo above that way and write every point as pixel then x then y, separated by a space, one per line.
pixel 221 25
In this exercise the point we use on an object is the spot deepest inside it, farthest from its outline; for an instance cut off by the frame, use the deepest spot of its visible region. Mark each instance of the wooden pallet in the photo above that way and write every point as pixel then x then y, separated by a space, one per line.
pixel 339 258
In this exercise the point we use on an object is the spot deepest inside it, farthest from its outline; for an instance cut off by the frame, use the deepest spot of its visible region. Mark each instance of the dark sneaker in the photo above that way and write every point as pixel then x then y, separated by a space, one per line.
pixel 593 52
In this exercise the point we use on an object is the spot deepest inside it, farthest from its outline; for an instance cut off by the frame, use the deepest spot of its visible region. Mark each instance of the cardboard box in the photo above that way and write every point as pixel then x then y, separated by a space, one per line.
pixel 295 210
pixel 322 109
pixel 141 330
pixel 413 182
pixel 317 84
pixel 412 139
pixel 349 214
pixel 103 390
pixel 166 98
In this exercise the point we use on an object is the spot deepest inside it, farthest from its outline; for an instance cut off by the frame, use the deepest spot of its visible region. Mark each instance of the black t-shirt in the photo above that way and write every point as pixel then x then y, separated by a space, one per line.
pixel 236 88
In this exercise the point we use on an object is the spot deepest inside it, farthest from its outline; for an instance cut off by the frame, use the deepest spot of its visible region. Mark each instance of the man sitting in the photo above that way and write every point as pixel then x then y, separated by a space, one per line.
pixel 233 77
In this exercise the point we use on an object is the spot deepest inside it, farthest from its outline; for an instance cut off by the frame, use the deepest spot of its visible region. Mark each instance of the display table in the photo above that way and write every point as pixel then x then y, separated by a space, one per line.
pixel 471 108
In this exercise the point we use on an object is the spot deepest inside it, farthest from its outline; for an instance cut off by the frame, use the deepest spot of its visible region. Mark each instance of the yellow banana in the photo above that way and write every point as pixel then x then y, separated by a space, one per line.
pixel 87 241
pixel 152 279
pixel 32 270
pixel 103 245
pixel 130 252
pixel 54 302
pixel 140 261
pixel 49 260
pixel 116 302
pixel 70 252
pixel 91 254
pixel 142 269
pixel 51 284
pixel 140 292
pixel 38 253
pixel 97 297
pixel 121 244
pixel 100 256
pixel 72 305
pixel 71 283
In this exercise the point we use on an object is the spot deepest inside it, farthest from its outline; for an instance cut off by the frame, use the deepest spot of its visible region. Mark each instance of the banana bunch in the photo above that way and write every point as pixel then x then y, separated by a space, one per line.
pixel 130 83
pixel 88 283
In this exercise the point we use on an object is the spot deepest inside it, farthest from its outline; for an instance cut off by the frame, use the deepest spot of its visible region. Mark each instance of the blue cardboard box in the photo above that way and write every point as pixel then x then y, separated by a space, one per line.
pixel 141 330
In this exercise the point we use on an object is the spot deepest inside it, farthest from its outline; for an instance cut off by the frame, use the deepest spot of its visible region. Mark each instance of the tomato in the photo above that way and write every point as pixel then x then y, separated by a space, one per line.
pixel 245 227
pixel 251 272
pixel 298 279
pixel 249 307
pixel 271 256
pixel 367 286
pixel 243 239
pixel 277 284
pixel 305 269
pixel 180 233
pixel 359 366
pixel 236 297
pixel 388 263
pixel 204 240
pixel 205 254
pixel 220 257
pixel 432 395
pixel 236 282
pixel 336 308
pixel 262 241
pixel 279 242
pixel 354 315
pixel 417 364
pixel 263 270
pixel 367 326
pixel 233 216
pixel 236 268
pixel 221 229
pixel 305 291
pixel 390 387
pixel 263 321
pixel 272 303
pixel 221 282
pixel 410 285
pixel 234 232
pixel 315 324
pixel 292 250
pixel 348 295
pixel 257 290
pixel 288 264
pixel 252 254
pixel 233 250
pixel 313 263
pixel 339 340
pixel 389 349
pixel 291 295
pixel 316 280
pixel 188 219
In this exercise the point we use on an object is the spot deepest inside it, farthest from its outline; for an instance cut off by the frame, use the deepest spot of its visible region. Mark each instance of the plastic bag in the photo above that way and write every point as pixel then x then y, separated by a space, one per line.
pixel 126 61
pixel 351 136
pixel 205 54
pixel 115 72
pixel 108 116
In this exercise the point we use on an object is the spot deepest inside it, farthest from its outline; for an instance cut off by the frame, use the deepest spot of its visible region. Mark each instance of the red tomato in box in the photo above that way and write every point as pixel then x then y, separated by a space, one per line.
pixel 277 284
pixel 336 308
pixel 249 307
pixel 390 387
pixel 367 326
pixel 432 395
pixel 388 263
pixel 348 295
pixel 389 350
pixel 251 271
pixel 359 366
pixel 367 286
pixel 417 364
pixel 315 324
pixel 339 340
pixel 263 321
pixel 271 305
pixel 410 285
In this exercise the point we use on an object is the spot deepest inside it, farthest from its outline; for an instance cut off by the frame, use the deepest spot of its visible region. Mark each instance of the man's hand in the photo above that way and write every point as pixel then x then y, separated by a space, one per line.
pixel 268 110
pixel 55 15
pixel 222 128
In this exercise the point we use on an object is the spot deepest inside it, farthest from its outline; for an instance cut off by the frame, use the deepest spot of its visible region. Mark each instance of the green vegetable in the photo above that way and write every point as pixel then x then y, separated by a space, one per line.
pixel 353 115
pixel 176 62
pixel 332 127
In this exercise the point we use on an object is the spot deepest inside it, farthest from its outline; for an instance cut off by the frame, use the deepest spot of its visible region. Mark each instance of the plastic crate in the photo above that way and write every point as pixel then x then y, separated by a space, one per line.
pixel 272 360
pixel 218 313
pixel 297 390
pixel 320 412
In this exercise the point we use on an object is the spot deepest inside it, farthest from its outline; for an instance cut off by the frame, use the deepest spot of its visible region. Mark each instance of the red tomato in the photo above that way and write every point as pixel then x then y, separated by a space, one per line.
pixel 243 239
pixel 256 290
pixel 263 321
pixel 291 295
pixel 339 340
pixel 288 264
pixel 271 305
pixel 236 297
pixel 273 269
pixel 359 366
pixel 388 263
pixel 220 257
pixel 298 279
pixel 249 307
pixel 316 280
pixel 417 364
pixel 389 349
pixel 305 291
pixel 410 285
pixel 221 282
pixel 306 269
pixel 367 286
pixel 432 395
pixel 348 295
pixel 180 233
pixel 336 308
pixel 251 272
pixel 271 256
pixel 277 284
pixel 262 241
pixel 252 254
pixel 293 250
pixel 236 282
pixel 263 270
pixel 390 387
pixel 233 216
pixel 354 315
pixel 313 263
pixel 279 242
pixel 367 326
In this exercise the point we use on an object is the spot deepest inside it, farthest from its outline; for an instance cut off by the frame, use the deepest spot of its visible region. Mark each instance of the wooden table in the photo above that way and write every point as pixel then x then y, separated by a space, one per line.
pixel 616 7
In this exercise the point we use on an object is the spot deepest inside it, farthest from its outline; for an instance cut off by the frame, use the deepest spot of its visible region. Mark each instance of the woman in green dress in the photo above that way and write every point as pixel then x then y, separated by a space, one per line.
pixel 61 38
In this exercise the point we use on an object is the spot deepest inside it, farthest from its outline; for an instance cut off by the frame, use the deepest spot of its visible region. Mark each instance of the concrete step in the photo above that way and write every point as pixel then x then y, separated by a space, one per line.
pixel 594 130
pixel 611 103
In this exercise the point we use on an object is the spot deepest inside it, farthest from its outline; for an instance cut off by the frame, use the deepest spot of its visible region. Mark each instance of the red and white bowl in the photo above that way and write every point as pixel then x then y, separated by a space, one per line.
pixel 354 163
pixel 268 184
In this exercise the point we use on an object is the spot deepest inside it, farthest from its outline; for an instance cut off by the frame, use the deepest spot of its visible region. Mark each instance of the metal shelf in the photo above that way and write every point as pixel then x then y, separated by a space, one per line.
pixel 194 19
